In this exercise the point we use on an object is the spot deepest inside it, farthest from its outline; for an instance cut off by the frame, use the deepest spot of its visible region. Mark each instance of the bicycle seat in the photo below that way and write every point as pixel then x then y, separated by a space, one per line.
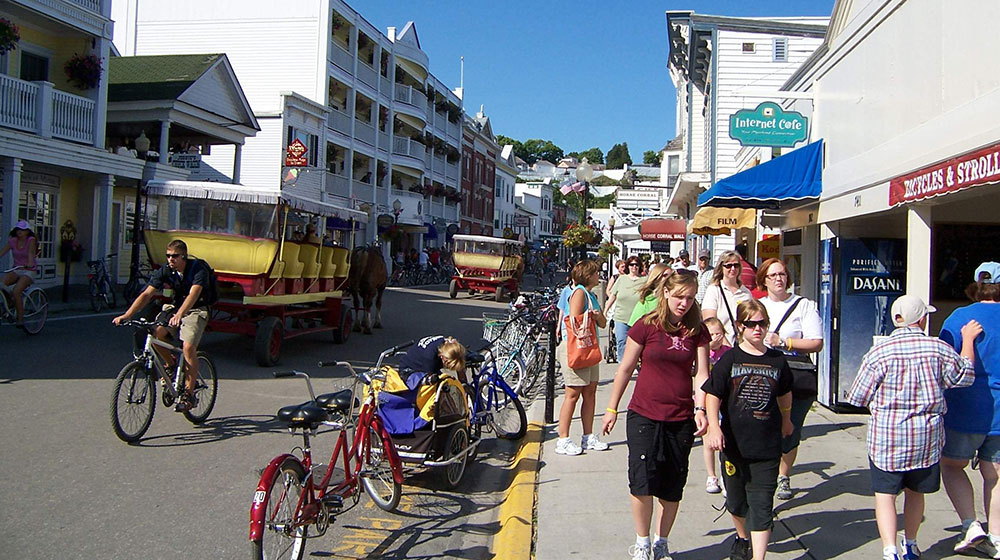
pixel 92 263
pixel 306 415
pixel 474 358
pixel 335 402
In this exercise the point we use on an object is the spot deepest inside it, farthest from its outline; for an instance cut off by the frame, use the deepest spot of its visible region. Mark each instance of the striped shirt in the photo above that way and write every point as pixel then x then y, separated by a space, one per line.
pixel 902 381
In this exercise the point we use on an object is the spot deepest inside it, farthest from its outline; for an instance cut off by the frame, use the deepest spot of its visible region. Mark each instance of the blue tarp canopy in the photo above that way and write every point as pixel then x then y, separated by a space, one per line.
pixel 787 179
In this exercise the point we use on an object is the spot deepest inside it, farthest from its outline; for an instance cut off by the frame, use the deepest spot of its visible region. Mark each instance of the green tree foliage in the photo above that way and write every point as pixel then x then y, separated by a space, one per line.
pixel 533 150
pixel 618 156
pixel 575 200
pixel 603 181
pixel 593 155
pixel 650 157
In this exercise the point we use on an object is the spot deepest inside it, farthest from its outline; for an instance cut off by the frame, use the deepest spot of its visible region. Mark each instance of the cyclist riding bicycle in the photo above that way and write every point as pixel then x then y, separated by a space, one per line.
pixel 23 245
pixel 190 280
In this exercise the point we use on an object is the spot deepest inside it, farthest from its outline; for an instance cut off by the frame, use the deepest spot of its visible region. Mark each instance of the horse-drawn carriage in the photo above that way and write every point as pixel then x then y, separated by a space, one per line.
pixel 271 287
pixel 487 264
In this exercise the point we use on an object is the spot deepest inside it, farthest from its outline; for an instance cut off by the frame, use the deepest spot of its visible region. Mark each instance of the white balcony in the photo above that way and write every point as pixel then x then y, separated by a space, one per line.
pixel 453 131
pixel 340 122
pixel 441 122
pixel 403 93
pixel 402 146
pixel 384 85
pixel 362 191
pixel 364 132
pixel 343 59
pixel 383 141
pixel 338 185
pixel 38 108
pixel 418 99
pixel 427 160
pixel 367 74
pixel 92 5
pixel 452 172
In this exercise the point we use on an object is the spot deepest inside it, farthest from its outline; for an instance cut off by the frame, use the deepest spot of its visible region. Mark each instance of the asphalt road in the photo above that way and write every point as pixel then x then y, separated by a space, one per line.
pixel 73 490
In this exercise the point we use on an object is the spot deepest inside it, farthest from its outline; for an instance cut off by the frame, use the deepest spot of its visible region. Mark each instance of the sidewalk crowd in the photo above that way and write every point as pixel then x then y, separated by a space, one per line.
pixel 713 360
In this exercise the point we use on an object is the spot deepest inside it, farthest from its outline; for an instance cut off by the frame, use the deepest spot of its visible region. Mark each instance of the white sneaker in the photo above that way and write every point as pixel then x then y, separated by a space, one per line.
pixel 661 552
pixel 591 442
pixel 643 552
pixel 973 536
pixel 565 446
pixel 712 485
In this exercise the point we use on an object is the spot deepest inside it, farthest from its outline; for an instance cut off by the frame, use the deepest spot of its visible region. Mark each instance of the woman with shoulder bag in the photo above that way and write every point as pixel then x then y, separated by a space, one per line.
pixel 581 380
pixel 797 331
pixel 726 292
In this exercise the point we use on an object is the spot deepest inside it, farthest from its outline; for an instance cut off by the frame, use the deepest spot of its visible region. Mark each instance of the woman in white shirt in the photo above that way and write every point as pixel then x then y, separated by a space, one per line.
pixel 725 293
pixel 798 331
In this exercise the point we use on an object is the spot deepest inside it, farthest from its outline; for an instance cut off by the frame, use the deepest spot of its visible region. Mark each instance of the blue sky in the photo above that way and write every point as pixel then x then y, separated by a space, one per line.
pixel 580 73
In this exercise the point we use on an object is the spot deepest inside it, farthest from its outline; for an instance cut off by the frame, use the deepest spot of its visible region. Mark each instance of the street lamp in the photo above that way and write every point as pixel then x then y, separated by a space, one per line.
pixel 584 172
pixel 397 207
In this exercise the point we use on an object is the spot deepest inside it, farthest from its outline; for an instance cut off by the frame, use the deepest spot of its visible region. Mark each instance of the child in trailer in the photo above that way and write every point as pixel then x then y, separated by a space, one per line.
pixel 751 386
pixel 716 348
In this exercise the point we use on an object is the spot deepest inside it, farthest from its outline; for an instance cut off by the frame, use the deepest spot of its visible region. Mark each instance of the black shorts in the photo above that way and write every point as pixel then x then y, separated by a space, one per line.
pixel 925 481
pixel 750 487
pixel 658 456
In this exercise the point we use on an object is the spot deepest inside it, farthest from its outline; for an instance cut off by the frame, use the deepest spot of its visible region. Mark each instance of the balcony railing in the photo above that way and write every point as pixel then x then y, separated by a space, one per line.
pixel 453 130
pixel 38 108
pixel 362 191
pixel 340 122
pixel 403 93
pixel 341 58
pixel 92 5
pixel 418 99
pixel 338 185
pixel 441 122
pixel 408 147
pixel 452 173
pixel 367 74
pixel 384 85
pixel 364 132
pixel 383 141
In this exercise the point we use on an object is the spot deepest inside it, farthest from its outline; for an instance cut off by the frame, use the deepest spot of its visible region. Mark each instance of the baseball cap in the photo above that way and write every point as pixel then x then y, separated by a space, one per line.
pixel 907 310
pixel 990 268
pixel 683 253
pixel 21 224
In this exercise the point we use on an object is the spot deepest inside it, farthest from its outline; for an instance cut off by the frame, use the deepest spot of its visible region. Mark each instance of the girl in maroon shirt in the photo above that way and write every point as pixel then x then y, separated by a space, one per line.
pixel 663 417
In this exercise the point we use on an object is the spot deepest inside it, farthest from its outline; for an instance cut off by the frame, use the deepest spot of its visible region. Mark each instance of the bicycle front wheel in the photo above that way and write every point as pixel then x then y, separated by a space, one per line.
pixel 377 473
pixel 206 387
pixel 96 297
pixel 512 370
pixel 280 539
pixel 36 309
pixel 133 402
pixel 507 417
pixel 109 293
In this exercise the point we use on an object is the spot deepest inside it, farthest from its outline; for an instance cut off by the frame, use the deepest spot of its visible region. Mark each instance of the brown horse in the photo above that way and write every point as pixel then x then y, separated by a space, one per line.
pixel 366 281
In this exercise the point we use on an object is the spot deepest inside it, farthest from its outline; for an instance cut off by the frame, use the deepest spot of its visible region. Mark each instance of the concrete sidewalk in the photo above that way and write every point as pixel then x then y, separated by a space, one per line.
pixel 582 502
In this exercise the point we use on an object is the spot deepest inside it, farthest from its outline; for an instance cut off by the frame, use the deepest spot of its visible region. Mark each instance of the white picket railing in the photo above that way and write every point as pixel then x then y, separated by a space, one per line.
pixel 338 185
pixel 72 117
pixel 402 93
pixel 39 108
pixel 364 132
pixel 18 100
pixel 92 5
pixel 341 122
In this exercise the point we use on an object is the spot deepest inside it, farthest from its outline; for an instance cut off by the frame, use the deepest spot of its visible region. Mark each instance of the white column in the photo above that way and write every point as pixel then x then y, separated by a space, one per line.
pixel 165 142
pixel 43 109
pixel 11 192
pixel 103 195
pixel 918 251
pixel 102 48
pixel 237 163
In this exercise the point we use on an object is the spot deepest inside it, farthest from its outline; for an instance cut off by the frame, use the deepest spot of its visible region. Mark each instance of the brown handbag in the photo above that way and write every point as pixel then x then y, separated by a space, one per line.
pixel 582 347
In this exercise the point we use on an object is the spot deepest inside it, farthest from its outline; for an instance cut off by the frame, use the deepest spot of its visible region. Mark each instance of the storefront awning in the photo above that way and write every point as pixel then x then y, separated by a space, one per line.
pixel 721 221
pixel 787 179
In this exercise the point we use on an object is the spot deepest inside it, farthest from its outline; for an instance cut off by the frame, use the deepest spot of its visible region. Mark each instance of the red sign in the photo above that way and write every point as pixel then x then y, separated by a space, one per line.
pixel 961 172
pixel 663 230
pixel 294 153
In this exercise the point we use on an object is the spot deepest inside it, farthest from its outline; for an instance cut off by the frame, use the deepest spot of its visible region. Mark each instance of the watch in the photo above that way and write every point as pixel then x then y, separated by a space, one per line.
pixel 701 408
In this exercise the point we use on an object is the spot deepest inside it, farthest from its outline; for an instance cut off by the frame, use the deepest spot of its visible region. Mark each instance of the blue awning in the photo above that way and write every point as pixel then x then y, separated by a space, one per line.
pixel 432 232
pixel 787 179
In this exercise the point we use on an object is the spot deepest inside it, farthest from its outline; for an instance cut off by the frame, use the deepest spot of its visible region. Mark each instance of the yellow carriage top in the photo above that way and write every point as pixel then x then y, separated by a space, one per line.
pixel 495 258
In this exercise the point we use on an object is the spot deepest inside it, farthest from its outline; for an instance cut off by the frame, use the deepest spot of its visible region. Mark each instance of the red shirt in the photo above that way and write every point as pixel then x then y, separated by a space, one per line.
pixel 663 390
pixel 748 275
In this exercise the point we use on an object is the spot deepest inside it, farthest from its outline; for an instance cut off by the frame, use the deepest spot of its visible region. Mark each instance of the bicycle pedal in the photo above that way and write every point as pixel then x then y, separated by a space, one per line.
pixel 334 502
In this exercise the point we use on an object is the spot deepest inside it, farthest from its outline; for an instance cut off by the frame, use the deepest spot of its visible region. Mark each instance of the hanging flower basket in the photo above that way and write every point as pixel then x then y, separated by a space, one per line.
pixel 392 233
pixel 578 236
pixel 607 250
pixel 9 36
pixel 84 72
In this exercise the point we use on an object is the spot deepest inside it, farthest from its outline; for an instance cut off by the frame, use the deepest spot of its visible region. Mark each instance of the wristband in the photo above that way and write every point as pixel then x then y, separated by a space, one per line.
pixel 611 410
pixel 783 409
pixel 788 343
pixel 700 408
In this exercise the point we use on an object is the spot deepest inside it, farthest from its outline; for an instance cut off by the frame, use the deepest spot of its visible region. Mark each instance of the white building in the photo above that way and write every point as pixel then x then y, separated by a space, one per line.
pixel 537 198
pixel 718 66
pixel 506 177
pixel 379 126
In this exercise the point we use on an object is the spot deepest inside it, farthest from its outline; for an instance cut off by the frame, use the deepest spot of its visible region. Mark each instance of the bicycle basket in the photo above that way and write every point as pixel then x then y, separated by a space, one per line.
pixel 503 341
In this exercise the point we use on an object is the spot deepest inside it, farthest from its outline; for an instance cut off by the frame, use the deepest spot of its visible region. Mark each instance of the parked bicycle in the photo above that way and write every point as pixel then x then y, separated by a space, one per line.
pixel 101 285
pixel 296 497
pixel 495 405
pixel 520 340
pixel 138 279
pixel 36 306
pixel 133 400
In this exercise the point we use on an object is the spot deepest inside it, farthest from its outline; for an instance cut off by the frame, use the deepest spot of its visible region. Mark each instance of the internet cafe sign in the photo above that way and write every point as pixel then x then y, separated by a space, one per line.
pixel 768 125
pixel 960 172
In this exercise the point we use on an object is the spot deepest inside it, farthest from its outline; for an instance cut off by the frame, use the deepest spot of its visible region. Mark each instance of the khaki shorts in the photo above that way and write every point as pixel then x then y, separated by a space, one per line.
pixel 576 377
pixel 193 323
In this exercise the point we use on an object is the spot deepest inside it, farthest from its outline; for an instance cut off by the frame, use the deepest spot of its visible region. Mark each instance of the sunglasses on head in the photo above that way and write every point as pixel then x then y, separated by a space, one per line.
pixel 763 323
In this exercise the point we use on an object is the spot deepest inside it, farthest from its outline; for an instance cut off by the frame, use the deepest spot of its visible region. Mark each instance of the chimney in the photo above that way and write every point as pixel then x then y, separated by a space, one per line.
pixel 391 32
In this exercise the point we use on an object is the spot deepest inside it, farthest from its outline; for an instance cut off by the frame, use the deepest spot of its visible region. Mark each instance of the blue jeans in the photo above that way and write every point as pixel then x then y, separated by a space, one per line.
pixel 621 333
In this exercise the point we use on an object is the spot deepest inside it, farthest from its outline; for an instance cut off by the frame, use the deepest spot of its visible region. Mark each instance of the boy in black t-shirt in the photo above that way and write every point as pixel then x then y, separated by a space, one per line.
pixel 755 385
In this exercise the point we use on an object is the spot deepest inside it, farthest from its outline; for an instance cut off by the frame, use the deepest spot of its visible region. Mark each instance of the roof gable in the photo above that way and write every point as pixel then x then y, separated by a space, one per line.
pixel 409 35
pixel 135 78
pixel 218 92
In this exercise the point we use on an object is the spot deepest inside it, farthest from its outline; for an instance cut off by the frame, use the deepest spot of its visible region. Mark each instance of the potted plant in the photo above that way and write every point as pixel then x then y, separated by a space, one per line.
pixel 9 36
pixel 84 71
pixel 607 250
pixel 577 235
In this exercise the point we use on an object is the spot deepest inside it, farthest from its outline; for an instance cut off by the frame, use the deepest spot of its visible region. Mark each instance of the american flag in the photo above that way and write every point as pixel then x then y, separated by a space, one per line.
pixel 567 188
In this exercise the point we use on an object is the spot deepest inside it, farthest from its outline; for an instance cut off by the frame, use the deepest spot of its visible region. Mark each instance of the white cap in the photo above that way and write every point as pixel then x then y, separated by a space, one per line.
pixel 907 310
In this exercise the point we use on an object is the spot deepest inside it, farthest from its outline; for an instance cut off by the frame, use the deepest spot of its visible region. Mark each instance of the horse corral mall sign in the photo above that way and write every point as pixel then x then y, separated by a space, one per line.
pixel 768 125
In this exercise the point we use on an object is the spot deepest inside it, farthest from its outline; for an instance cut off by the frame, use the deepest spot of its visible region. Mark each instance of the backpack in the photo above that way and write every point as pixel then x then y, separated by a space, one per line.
pixel 211 294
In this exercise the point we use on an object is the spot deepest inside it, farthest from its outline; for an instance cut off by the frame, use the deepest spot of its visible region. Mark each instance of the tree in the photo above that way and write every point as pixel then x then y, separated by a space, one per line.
pixel 593 155
pixel 543 149
pixel 652 158
pixel 603 181
pixel 618 156
pixel 519 150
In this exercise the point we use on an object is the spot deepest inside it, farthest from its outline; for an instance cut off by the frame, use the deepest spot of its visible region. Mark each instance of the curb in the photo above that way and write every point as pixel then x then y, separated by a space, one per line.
pixel 515 539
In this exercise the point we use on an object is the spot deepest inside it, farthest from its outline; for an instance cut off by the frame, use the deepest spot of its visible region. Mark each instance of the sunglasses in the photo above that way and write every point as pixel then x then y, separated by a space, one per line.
pixel 763 323
pixel 174 256
pixel 633 264
pixel 731 265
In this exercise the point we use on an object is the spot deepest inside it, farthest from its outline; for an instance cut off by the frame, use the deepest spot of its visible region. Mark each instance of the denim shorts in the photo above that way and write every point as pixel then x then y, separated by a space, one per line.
pixel 964 446
pixel 924 481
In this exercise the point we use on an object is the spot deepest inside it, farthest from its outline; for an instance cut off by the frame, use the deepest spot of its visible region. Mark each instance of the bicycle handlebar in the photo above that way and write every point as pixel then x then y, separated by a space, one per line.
pixel 143 323
pixel 280 374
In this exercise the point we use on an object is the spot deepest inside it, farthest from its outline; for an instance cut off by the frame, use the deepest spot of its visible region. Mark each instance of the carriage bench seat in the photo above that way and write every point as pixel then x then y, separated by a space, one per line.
pixel 226 253
pixel 305 415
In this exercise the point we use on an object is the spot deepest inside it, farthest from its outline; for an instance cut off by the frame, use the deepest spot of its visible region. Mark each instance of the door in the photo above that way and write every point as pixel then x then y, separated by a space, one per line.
pixel 38 205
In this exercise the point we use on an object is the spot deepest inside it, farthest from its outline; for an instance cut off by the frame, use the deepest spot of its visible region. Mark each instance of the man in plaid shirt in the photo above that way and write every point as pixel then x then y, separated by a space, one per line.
pixel 902 381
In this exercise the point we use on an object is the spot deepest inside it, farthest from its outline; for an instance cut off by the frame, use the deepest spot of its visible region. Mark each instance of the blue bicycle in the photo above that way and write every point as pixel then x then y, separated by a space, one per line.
pixel 494 404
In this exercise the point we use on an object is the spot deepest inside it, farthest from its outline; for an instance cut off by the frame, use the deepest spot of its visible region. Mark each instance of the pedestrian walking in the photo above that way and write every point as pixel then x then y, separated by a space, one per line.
pixel 626 293
pixel 666 411
pixel 726 292
pixel 902 381
pixel 751 387
pixel 798 332
pixel 716 347
pixel 581 383
pixel 972 423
